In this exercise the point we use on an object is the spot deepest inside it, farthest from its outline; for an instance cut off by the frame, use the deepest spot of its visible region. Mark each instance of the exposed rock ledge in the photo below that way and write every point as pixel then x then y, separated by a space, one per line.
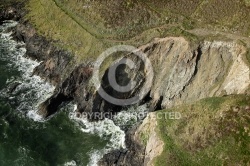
pixel 144 145
pixel 154 145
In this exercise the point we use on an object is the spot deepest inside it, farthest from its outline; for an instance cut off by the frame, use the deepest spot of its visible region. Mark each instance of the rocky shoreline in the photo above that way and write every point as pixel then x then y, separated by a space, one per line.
pixel 184 72
pixel 59 68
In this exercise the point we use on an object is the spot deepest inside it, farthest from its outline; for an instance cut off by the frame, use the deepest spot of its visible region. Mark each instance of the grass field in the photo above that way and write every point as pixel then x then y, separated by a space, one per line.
pixel 88 27
pixel 213 131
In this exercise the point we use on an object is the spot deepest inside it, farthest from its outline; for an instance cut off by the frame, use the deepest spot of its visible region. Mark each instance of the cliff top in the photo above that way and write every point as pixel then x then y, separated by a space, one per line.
pixel 88 27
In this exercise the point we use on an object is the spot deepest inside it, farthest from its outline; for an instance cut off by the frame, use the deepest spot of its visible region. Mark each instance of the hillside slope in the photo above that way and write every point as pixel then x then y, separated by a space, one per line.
pixel 212 131
pixel 88 27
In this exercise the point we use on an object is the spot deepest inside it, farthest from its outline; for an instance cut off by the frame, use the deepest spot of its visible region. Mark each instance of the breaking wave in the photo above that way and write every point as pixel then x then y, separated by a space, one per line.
pixel 30 89
pixel 109 129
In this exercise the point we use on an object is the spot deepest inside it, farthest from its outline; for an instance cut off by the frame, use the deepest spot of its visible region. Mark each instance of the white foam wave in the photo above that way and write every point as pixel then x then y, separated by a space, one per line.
pixel 131 116
pixel 33 90
pixel 71 163
pixel 109 129
pixel 106 129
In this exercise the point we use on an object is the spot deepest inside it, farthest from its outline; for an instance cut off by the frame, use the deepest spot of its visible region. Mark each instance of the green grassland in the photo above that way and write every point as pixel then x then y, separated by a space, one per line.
pixel 213 131
pixel 86 28
pixel 52 22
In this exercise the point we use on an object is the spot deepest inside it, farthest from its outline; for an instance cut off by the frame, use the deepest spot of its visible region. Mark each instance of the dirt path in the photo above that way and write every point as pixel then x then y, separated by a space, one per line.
pixel 106 37
pixel 197 32
pixel 206 32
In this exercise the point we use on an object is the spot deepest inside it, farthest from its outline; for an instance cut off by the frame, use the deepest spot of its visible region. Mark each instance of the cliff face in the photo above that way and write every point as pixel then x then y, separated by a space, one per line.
pixel 147 133
pixel 184 73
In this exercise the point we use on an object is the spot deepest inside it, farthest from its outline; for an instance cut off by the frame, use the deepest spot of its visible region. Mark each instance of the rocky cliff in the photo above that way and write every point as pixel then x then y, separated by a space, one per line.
pixel 184 72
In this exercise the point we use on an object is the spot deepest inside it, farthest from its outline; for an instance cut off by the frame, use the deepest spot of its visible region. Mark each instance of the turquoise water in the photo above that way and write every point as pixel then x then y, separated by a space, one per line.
pixel 24 138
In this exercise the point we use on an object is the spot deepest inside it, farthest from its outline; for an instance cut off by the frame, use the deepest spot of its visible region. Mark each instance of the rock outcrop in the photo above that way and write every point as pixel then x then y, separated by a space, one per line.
pixel 12 12
pixel 133 156
pixel 147 134
pixel 56 64
pixel 184 74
